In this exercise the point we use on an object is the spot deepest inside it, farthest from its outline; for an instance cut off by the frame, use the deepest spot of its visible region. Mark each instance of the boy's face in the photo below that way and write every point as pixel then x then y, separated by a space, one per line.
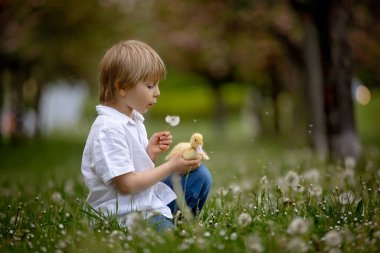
pixel 140 98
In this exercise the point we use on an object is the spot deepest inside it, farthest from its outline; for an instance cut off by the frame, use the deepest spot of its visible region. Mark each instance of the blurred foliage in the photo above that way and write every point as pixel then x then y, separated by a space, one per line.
pixel 367 125
pixel 237 44
pixel 57 39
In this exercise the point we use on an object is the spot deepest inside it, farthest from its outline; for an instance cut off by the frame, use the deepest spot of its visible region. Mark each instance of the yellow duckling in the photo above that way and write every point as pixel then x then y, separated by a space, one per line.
pixel 190 150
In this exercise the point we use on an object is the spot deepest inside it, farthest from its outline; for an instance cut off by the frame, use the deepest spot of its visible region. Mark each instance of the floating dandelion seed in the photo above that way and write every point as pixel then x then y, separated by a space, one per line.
pixel 298 226
pixel 172 120
pixel 244 219
pixel 292 178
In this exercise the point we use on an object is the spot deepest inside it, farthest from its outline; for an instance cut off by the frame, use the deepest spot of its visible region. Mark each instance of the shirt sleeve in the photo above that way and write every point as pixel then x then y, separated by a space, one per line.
pixel 112 155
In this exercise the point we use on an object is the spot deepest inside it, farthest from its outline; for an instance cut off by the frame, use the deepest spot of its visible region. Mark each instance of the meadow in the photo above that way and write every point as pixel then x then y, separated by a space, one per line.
pixel 267 196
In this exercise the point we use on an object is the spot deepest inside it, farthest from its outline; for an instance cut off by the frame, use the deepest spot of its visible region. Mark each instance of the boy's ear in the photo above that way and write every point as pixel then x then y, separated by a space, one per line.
pixel 122 91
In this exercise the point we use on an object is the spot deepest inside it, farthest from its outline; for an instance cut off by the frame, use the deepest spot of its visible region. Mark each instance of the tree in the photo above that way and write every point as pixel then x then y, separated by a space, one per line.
pixel 218 40
pixel 328 69
pixel 45 40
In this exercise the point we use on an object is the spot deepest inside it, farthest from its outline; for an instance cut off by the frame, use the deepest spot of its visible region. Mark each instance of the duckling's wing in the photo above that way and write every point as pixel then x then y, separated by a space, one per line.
pixel 179 148
pixel 205 156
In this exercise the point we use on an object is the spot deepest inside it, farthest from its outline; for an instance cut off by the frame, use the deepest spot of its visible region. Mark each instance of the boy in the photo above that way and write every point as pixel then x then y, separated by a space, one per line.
pixel 118 159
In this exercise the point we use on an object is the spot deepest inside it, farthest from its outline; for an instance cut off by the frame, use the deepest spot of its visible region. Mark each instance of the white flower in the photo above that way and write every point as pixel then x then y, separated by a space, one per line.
pixel 311 175
pixel 346 198
pixel 333 238
pixel 315 190
pixel 244 219
pixel 292 178
pixel 172 120
pixel 297 245
pixel 298 226
pixel 253 244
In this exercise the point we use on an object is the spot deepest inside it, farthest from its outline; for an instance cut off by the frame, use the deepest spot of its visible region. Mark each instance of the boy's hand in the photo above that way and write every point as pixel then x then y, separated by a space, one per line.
pixel 158 143
pixel 182 166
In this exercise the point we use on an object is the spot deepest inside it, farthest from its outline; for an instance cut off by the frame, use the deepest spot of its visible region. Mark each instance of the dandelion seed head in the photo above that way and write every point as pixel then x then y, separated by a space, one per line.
pixel 311 175
pixel 244 219
pixel 292 178
pixel 298 226
pixel 69 187
pixel 172 120
pixel 233 236
pixel 350 162
pixel 235 188
pixel 315 190
pixel 335 250
pixel 333 238
pixel 346 198
pixel 299 188
pixel 56 197
pixel 296 245
pixel 253 244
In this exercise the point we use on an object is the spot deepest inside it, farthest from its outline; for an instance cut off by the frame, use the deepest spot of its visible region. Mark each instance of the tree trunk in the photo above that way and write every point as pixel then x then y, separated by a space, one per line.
pixel 314 88
pixel 332 67
pixel 220 112
pixel 341 130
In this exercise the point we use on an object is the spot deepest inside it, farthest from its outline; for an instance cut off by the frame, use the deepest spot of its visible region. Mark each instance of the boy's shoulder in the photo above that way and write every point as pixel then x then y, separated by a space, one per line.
pixel 107 121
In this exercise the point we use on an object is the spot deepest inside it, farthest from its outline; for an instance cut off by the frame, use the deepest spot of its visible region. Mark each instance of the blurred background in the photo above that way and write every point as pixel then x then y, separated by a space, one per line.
pixel 250 75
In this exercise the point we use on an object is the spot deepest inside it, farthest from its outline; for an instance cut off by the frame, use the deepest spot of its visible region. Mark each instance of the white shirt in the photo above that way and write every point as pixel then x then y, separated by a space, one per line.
pixel 117 145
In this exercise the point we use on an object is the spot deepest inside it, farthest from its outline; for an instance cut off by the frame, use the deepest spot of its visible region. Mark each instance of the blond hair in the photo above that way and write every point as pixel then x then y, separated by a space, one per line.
pixel 126 64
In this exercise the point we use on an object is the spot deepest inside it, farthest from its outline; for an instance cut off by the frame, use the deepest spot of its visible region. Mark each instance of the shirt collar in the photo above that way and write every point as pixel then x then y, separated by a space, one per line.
pixel 109 111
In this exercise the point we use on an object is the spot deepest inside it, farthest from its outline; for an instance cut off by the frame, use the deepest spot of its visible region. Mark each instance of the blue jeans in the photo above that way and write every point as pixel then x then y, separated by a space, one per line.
pixel 196 187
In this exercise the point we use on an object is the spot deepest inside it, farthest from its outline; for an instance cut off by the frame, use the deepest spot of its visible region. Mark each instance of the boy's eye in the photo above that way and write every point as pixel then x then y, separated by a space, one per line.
pixel 150 86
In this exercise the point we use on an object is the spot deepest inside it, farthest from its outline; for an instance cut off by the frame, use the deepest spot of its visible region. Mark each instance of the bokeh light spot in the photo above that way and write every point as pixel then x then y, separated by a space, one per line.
pixel 362 95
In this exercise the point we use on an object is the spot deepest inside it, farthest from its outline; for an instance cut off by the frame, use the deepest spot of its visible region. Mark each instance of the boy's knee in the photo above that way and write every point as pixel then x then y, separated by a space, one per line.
pixel 205 175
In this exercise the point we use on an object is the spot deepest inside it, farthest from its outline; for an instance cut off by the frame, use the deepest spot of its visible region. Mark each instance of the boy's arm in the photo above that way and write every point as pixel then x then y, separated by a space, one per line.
pixel 134 182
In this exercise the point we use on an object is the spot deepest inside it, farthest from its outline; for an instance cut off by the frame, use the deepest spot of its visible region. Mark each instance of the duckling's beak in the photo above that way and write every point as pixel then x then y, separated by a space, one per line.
pixel 199 149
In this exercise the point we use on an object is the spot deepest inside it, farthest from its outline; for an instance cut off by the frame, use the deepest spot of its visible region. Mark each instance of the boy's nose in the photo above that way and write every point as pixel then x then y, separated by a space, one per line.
pixel 157 92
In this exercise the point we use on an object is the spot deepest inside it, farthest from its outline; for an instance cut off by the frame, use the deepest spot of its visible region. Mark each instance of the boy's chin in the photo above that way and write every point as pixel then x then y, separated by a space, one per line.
pixel 143 111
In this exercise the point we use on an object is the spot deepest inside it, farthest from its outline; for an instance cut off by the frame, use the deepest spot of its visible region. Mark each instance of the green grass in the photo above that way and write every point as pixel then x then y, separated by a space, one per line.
pixel 42 198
